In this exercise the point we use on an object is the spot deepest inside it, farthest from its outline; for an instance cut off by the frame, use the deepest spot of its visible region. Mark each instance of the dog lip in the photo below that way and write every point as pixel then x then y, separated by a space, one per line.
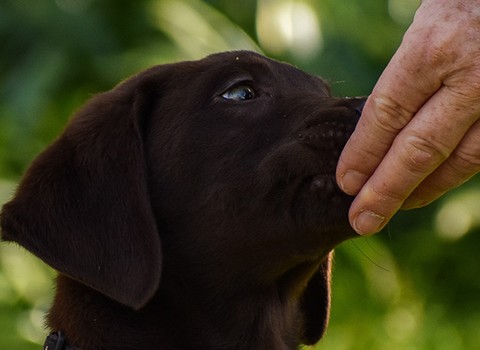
pixel 327 135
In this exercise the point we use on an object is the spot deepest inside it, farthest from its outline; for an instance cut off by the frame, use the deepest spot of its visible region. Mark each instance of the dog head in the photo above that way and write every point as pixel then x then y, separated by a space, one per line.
pixel 219 170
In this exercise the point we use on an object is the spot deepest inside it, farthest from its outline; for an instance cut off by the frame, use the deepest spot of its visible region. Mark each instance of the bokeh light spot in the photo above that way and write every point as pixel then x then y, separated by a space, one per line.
pixel 289 27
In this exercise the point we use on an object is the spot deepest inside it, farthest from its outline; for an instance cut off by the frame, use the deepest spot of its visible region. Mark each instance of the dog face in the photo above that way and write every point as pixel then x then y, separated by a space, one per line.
pixel 216 174
pixel 255 144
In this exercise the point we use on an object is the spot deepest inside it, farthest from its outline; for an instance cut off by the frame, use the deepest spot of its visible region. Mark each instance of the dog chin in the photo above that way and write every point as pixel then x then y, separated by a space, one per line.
pixel 322 208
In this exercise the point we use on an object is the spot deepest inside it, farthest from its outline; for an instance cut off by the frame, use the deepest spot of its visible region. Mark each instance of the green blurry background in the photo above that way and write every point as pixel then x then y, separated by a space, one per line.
pixel 415 286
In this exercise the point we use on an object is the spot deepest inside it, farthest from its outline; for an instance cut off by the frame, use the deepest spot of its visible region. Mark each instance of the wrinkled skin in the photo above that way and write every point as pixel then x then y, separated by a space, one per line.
pixel 419 134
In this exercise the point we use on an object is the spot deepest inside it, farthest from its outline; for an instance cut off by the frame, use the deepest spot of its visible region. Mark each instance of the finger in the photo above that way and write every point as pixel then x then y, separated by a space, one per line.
pixel 463 163
pixel 402 89
pixel 420 148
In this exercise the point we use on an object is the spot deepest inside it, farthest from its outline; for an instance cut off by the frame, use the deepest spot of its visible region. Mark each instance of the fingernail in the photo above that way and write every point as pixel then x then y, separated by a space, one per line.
pixel 413 203
pixel 352 181
pixel 368 223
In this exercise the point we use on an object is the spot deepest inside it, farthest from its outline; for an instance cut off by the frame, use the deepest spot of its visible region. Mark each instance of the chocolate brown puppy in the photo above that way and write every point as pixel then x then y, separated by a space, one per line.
pixel 193 206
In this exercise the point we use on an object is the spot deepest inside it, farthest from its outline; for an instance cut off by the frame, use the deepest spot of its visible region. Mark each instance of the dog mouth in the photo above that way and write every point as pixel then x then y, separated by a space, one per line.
pixel 301 171
pixel 324 142
pixel 307 163
pixel 318 200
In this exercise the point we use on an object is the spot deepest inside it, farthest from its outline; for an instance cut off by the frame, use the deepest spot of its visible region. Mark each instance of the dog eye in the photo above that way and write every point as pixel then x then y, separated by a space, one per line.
pixel 239 93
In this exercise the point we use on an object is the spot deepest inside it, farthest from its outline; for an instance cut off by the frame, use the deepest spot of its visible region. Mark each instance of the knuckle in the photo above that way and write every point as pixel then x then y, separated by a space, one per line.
pixel 391 116
pixel 437 49
pixel 421 154
pixel 466 160
pixel 471 67
pixel 438 53
pixel 388 194
pixel 464 86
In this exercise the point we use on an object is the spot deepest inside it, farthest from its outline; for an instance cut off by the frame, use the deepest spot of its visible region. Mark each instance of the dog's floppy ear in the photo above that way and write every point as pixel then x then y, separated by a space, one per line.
pixel 316 303
pixel 83 205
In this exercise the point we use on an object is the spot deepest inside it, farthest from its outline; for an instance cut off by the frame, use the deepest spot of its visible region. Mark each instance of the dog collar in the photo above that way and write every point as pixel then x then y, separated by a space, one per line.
pixel 57 341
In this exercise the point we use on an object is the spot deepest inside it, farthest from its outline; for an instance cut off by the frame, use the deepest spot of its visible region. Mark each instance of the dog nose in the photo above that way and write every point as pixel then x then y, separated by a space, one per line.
pixel 360 103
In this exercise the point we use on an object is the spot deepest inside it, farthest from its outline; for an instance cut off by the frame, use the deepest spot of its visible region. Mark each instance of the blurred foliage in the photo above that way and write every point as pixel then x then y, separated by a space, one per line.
pixel 415 286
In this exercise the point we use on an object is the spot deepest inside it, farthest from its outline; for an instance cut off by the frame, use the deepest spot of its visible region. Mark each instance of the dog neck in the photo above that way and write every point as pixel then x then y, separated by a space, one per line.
pixel 253 318
pixel 253 321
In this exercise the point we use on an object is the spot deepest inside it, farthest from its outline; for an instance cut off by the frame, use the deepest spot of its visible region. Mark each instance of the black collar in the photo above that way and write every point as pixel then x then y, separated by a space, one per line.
pixel 57 341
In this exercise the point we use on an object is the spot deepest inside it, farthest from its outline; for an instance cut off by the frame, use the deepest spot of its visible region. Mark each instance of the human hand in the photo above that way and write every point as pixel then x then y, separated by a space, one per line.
pixel 419 134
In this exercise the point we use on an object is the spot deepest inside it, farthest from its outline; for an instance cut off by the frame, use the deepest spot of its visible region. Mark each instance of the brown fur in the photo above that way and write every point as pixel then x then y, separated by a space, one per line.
pixel 178 219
